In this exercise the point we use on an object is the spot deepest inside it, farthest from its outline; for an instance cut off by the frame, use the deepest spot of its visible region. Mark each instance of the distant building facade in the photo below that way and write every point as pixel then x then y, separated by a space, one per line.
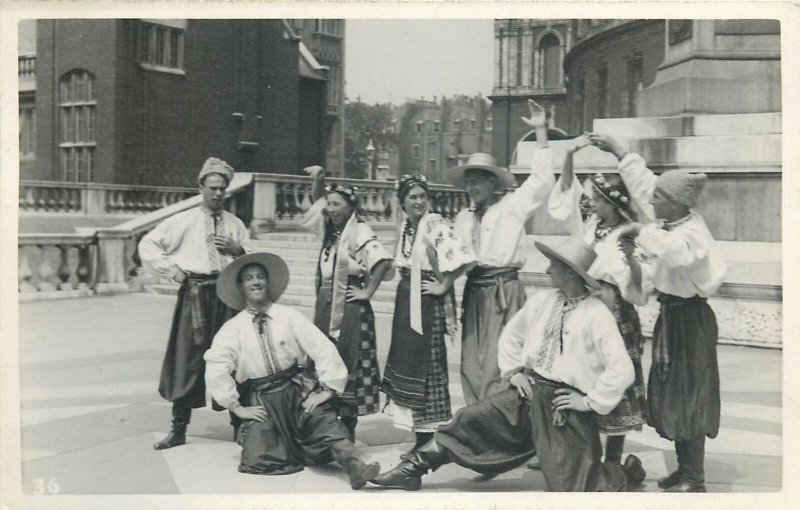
pixel 139 101
pixel 440 134
pixel 325 38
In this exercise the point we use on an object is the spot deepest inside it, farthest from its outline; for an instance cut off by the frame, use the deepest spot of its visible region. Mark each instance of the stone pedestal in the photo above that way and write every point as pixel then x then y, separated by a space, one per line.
pixel 716 66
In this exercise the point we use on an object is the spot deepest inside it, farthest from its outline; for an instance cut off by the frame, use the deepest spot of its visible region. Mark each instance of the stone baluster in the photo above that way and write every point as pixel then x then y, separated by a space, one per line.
pixel 48 268
pixel 68 272
pixel 306 203
pixel 85 271
pixel 28 261
pixel 280 200
pixel 295 209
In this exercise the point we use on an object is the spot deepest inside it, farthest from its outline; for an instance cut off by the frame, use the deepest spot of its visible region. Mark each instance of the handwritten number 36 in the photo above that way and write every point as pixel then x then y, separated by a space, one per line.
pixel 42 486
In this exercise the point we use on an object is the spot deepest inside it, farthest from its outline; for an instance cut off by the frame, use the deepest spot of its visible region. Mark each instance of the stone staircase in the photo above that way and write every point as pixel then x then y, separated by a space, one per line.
pixel 300 249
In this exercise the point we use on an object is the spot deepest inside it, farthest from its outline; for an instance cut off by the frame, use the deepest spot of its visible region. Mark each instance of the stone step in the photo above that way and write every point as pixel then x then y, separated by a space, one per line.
pixel 700 125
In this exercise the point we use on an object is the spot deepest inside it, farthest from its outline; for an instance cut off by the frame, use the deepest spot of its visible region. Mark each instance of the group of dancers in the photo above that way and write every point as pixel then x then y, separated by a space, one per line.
pixel 542 376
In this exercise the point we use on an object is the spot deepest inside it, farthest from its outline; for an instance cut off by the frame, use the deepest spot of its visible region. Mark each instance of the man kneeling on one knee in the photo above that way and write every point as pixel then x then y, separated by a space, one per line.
pixel 287 415
pixel 565 361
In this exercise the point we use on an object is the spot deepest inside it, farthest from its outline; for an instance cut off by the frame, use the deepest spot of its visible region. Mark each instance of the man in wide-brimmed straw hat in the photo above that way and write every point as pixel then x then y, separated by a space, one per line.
pixel 562 360
pixel 286 410
pixel 494 227
pixel 191 248
pixel 683 400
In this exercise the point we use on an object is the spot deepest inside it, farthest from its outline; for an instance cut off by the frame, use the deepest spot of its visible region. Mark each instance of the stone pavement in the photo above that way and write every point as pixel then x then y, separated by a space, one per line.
pixel 90 413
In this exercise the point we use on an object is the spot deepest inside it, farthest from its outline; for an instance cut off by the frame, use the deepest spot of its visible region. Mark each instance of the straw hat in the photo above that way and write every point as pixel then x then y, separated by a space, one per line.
pixel 576 254
pixel 481 161
pixel 277 274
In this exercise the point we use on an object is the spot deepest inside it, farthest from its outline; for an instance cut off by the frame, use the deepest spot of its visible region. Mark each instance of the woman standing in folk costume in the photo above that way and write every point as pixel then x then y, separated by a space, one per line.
pixel 619 273
pixel 351 266
pixel 430 258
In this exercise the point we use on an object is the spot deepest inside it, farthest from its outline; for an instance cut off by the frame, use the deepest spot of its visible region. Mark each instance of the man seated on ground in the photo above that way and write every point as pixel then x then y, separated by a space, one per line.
pixel 565 359
pixel 288 417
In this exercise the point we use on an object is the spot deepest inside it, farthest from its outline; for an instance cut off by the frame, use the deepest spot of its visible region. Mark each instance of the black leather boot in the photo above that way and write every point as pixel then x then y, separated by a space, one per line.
pixel 359 472
pixel 691 465
pixel 176 436
pixel 408 474
pixel 670 480
pixel 634 471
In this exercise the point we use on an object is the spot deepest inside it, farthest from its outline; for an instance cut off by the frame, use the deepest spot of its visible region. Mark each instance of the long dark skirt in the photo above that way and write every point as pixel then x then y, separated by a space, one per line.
pixel 290 437
pixel 198 316
pixel 629 413
pixel 482 322
pixel 356 346
pixel 683 401
pixel 499 433
pixel 415 375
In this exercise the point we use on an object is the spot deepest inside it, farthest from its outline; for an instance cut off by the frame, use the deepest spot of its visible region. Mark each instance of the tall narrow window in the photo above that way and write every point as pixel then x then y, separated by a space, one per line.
pixel 500 57
pixel 415 150
pixel 27 131
pixel 580 101
pixel 550 58
pixel 634 83
pixel 602 92
pixel 519 57
pixel 77 109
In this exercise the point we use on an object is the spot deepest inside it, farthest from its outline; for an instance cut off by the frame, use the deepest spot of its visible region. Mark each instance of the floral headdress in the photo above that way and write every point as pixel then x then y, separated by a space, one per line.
pixel 611 187
pixel 406 182
pixel 349 193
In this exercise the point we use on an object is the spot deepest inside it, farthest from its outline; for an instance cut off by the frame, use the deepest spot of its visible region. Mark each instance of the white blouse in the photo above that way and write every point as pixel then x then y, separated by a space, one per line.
pixel 503 224
pixel 236 348
pixel 594 358
pixel 610 264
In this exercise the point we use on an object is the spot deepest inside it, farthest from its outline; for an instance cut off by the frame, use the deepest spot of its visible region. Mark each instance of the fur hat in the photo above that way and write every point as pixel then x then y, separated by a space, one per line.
pixel 215 166
pixel 682 186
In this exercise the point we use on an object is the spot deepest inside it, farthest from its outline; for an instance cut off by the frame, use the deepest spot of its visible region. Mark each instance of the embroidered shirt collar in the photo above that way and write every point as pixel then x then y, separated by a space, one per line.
pixel 676 223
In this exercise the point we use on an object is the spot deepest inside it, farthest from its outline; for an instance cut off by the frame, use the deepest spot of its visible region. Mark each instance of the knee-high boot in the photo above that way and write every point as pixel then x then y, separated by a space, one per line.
pixel 408 474
pixel 353 463
pixel 691 460
pixel 181 414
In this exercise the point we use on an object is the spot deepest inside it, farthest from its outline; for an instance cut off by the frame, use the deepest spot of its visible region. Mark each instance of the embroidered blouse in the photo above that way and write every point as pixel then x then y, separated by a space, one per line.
pixel 610 264
pixel 292 338
pixel 434 247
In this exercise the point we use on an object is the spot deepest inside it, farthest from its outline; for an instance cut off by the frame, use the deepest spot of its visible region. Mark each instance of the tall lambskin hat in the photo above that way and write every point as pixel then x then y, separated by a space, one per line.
pixel 277 278
pixel 576 254
pixel 481 161
pixel 682 186
pixel 215 166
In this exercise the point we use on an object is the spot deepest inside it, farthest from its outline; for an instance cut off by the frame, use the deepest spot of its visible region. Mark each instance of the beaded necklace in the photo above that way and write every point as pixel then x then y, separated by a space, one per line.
pixel 332 239
pixel 409 232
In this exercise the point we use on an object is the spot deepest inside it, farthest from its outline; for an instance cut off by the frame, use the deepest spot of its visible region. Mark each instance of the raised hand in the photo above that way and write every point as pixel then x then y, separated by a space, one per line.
pixel 608 144
pixel 538 116
pixel 315 171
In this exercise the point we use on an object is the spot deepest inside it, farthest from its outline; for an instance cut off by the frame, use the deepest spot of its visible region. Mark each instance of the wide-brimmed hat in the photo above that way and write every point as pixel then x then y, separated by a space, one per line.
pixel 576 254
pixel 481 161
pixel 612 188
pixel 277 275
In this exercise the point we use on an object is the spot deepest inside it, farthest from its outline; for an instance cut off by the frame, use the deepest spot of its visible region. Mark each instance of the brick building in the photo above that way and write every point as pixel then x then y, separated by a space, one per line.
pixel 325 38
pixel 437 135
pixel 137 101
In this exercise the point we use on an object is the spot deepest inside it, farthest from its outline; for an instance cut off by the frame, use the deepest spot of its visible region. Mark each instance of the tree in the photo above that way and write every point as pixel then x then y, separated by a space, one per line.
pixel 364 123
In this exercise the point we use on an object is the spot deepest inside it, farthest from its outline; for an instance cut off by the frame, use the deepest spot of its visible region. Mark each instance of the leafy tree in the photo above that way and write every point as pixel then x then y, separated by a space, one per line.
pixel 364 123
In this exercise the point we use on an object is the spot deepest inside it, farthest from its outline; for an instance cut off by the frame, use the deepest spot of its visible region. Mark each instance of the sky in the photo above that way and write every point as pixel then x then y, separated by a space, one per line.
pixel 391 60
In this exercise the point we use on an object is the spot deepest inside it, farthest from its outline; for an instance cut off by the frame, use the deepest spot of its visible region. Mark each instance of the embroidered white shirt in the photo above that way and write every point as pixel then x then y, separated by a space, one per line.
pixel 294 339
pixel 594 358
pixel 503 224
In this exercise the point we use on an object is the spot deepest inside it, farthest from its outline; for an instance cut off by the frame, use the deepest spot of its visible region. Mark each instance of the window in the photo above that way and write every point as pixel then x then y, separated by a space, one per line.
pixel 633 84
pixel 602 92
pixel 550 58
pixel 436 126
pixel 27 131
pixel 161 46
pixel 519 56
pixel 334 84
pixel 472 124
pixel 328 26
pixel 500 36
pixel 415 151
pixel 420 125
pixel 489 124
pixel 432 165
pixel 581 104
pixel 457 125
pixel 77 107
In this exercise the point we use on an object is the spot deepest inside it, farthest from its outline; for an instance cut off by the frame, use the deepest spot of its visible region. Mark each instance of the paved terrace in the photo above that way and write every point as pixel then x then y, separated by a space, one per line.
pixel 90 413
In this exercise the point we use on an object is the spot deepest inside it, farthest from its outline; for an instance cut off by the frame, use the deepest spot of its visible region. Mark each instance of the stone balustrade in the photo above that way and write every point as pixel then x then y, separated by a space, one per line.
pixel 96 198
pixel 26 67
pixel 281 200
pixel 49 263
